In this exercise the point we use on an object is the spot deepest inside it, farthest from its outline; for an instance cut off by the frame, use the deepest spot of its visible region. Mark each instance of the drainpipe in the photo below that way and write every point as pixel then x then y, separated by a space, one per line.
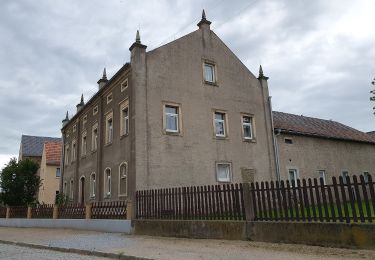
pixel 275 146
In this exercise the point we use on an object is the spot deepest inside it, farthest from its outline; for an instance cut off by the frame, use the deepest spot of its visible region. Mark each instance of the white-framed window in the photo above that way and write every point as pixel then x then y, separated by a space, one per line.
pixel 92 185
pixel 344 175
pixel 84 122
pixel 107 182
pixel 95 110
pixel 322 175
pixel 84 144
pixel 74 150
pixel 223 171
pixel 94 137
pixel 71 189
pixel 109 98
pixel 123 179
pixel 66 154
pixel 58 172
pixel 109 128
pixel 365 176
pixel 124 85
pixel 247 127
pixel 220 124
pixel 124 118
pixel 171 118
pixel 293 176
pixel 209 72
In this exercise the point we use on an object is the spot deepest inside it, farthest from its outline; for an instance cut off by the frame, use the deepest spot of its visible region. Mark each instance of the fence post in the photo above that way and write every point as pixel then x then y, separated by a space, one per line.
pixel 55 214
pixel 88 211
pixel 28 212
pixel 248 201
pixel 129 210
pixel 7 214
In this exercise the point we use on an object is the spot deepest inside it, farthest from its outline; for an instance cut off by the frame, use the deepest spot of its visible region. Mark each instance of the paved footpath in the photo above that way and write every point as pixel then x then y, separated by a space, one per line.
pixel 165 248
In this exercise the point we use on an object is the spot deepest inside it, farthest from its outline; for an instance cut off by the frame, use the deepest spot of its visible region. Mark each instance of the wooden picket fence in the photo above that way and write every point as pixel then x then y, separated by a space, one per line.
pixel 18 212
pixel 3 212
pixel 72 211
pixel 109 210
pixel 214 202
pixel 42 211
pixel 348 200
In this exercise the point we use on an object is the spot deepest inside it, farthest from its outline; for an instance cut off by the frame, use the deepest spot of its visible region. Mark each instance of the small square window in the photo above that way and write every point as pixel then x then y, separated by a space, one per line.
pixel 209 72
pixel 288 141
pixel 223 172
pixel 95 110
pixel 124 85
pixel 109 98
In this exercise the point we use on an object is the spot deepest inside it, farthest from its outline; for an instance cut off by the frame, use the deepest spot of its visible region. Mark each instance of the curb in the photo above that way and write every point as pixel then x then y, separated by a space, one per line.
pixel 75 251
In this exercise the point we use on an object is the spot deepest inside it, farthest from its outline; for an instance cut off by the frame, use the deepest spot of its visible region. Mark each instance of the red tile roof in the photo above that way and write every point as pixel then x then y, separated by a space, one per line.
pixel 53 153
pixel 303 125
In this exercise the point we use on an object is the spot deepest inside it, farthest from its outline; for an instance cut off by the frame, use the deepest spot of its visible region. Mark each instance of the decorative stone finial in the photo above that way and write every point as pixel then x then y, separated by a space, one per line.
pixel 66 119
pixel 203 15
pixel 204 22
pixel 82 102
pixel 261 74
pixel 137 37
pixel 104 74
pixel 67 115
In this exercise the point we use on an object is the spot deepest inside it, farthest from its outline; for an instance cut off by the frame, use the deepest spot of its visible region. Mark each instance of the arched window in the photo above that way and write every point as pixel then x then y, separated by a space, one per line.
pixel 71 190
pixel 123 179
pixel 92 185
pixel 107 182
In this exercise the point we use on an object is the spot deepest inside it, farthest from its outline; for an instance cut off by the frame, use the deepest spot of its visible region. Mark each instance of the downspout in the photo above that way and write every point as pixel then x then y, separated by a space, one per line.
pixel 275 146
pixel 62 163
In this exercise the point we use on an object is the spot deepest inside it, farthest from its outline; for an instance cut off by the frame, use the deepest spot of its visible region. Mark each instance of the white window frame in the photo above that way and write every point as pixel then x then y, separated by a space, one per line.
pixel 212 65
pixel 74 150
pixel 84 144
pixel 251 125
pixel 365 176
pixel 121 177
pixel 295 170
pixel 124 85
pixel 107 182
pixel 344 173
pixel 59 172
pixel 92 185
pixel 228 164
pixel 108 129
pixel 94 139
pixel 176 117
pixel 109 98
pixel 124 121
pixel 324 174
pixel 223 121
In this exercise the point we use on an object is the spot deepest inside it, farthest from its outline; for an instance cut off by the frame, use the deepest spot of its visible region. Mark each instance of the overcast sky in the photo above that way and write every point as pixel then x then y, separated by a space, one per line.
pixel 319 55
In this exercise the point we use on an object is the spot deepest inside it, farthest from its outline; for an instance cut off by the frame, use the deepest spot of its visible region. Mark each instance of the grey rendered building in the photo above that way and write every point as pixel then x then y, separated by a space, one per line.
pixel 186 113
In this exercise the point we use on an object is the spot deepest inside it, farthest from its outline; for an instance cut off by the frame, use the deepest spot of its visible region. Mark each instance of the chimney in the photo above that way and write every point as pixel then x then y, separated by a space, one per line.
pixel 103 80
pixel 204 23
pixel 80 104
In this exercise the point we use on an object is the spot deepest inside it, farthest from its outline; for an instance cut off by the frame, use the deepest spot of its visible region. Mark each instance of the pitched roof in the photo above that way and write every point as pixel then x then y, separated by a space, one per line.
pixel 53 153
pixel 303 125
pixel 33 145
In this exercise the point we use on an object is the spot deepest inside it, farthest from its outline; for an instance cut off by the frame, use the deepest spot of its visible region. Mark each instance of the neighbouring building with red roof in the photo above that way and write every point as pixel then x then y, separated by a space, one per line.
pixel 315 148
pixel 50 172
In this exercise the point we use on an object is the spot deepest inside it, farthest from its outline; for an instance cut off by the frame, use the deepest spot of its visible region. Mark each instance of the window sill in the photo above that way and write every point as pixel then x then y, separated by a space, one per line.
pixel 224 181
pixel 211 83
pixel 221 137
pixel 108 144
pixel 123 195
pixel 250 140
pixel 172 133
pixel 93 151
pixel 83 156
pixel 124 136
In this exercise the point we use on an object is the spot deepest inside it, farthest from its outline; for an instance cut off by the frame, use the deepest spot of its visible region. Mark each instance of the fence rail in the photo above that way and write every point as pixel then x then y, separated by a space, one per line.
pixel 347 200
pixel 109 210
pixel 18 212
pixel 42 211
pixel 215 202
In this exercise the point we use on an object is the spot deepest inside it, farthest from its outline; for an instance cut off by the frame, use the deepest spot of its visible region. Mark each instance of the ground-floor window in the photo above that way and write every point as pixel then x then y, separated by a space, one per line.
pixel 107 182
pixel 322 176
pixel 223 171
pixel 293 176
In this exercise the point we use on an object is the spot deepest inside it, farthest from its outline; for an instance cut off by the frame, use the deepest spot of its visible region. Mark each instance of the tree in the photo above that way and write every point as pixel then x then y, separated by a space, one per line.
pixel 373 93
pixel 19 182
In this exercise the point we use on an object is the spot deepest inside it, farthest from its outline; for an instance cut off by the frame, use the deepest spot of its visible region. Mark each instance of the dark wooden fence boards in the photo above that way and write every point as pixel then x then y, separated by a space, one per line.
pixel 349 200
pixel 42 211
pixel 18 212
pixel 109 210
pixel 3 212
pixel 215 202
pixel 72 211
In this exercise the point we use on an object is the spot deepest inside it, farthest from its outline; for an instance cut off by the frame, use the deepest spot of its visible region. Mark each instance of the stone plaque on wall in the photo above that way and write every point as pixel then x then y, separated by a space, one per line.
pixel 247 175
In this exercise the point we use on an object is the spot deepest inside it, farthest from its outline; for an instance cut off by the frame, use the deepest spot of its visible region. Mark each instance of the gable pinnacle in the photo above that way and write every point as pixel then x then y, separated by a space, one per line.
pixel 261 71
pixel 67 116
pixel 204 22
pixel 104 74
pixel 82 99
pixel 137 37
pixel 203 15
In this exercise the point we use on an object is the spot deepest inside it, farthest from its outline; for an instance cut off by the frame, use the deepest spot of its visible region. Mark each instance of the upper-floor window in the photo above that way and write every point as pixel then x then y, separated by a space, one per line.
pixel 107 182
pixel 74 128
pixel 223 172
pixel 109 128
pixel 209 72
pixel 247 127
pixel 94 137
pixel 171 117
pixel 84 122
pixel 58 173
pixel 293 176
pixel 322 176
pixel 220 124
pixel 124 118
pixel 124 84
pixel 109 98
pixel 95 110
pixel 74 150
pixel 84 144
pixel 66 154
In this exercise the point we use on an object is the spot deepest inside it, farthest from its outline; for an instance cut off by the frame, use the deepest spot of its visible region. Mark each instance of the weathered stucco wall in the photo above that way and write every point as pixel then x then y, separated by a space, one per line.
pixel 310 154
